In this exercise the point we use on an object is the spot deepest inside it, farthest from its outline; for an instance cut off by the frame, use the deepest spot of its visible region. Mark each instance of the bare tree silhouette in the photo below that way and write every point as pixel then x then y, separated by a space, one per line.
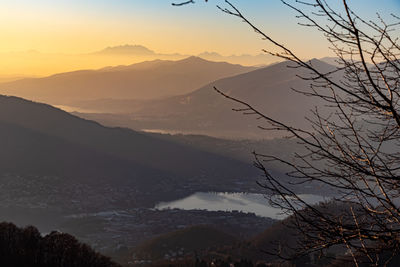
pixel 183 3
pixel 353 143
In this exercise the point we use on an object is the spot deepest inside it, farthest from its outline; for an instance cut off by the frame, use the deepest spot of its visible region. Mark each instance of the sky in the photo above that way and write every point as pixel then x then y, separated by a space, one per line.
pixel 83 26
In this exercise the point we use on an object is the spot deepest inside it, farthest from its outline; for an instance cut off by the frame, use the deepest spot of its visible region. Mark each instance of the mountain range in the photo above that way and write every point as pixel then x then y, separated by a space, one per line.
pixel 58 167
pixel 38 139
pixel 139 50
pixel 179 96
pixel 146 80
pixel 34 63
pixel 204 111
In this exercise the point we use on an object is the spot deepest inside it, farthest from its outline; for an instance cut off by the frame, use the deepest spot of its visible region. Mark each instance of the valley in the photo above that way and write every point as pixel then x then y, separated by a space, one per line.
pixel 94 173
pixel 186 133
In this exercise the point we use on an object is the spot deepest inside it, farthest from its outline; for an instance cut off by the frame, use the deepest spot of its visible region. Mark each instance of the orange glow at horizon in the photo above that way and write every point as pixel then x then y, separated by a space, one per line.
pixel 65 32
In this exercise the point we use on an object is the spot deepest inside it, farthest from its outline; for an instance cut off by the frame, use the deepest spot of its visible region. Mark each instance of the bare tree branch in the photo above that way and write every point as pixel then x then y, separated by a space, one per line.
pixel 353 147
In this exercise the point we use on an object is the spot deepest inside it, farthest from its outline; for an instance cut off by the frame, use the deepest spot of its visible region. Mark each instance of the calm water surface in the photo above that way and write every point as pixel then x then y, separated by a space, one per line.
pixel 254 203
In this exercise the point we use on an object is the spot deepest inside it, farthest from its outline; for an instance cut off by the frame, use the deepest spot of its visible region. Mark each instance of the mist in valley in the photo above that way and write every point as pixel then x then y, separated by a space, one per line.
pixel 194 144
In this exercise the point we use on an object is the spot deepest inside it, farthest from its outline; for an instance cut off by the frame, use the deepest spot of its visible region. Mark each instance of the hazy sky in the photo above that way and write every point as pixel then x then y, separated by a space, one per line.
pixel 78 26
pixel 63 30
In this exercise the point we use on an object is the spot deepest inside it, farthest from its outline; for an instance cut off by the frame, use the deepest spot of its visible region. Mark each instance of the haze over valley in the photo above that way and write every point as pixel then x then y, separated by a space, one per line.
pixel 179 96
pixel 67 167
pixel 185 134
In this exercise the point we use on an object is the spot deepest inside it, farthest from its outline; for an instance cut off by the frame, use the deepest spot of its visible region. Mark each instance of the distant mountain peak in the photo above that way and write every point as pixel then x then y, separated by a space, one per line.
pixel 194 59
pixel 128 49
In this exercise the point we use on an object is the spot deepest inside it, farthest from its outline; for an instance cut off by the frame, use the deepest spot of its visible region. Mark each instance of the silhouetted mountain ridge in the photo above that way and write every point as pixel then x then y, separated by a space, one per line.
pixel 38 139
pixel 204 111
pixel 146 80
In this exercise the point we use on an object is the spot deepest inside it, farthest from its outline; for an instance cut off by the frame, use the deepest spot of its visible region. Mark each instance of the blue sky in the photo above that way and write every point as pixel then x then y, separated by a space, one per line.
pixel 72 26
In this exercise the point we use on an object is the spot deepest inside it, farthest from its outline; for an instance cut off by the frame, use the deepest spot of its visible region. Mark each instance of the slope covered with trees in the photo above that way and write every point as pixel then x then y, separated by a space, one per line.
pixel 26 247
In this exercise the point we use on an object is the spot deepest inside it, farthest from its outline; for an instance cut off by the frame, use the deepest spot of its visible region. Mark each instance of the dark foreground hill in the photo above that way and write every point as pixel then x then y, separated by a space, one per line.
pixel 117 143
pixel 189 241
pixel 276 246
pixel 26 247
pixel 55 164
pixel 55 167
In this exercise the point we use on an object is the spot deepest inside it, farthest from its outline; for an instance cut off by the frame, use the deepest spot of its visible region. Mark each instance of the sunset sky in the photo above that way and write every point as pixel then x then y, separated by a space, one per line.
pixel 76 26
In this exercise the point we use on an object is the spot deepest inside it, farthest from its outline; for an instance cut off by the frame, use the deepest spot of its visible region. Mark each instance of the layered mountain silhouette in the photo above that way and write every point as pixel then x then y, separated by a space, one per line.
pixel 204 111
pixel 145 80
pixel 142 51
pixel 142 91
pixel 37 139
pixel 36 63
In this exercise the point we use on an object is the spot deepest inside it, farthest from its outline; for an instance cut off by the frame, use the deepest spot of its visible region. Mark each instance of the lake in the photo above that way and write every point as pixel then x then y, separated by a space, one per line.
pixel 244 202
